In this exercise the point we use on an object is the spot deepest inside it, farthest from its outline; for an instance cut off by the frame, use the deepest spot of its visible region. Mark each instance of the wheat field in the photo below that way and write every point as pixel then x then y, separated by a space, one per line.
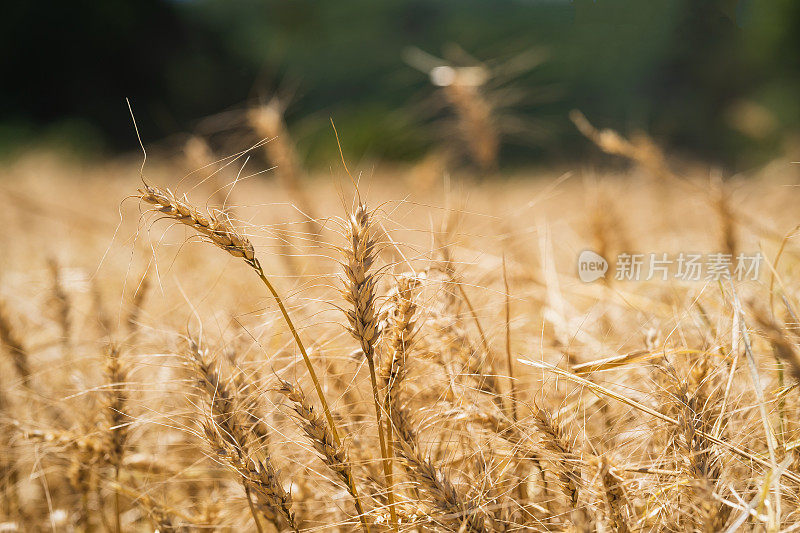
pixel 209 345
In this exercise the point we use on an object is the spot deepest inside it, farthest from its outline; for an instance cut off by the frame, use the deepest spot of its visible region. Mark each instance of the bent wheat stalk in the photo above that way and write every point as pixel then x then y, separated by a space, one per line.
pixel 217 228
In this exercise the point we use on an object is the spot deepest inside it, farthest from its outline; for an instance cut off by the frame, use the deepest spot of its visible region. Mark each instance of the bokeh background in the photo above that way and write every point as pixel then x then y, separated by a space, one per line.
pixel 717 80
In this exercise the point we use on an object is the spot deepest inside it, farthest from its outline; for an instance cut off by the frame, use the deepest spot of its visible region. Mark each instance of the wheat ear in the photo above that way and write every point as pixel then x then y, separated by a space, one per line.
pixel 554 440
pixel 9 474
pixel 268 123
pixel 61 300
pixel 137 306
pixel 703 462
pixel 363 317
pixel 463 92
pixel 434 482
pixel 19 355
pixel 782 346
pixel 332 453
pixel 613 495
pixel 228 433
pixel 216 226
pixel 117 435
pixel 401 333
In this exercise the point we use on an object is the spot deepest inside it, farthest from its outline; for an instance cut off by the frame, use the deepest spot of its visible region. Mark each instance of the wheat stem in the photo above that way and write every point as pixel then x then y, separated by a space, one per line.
pixel 387 458
pixel 257 266
pixel 509 359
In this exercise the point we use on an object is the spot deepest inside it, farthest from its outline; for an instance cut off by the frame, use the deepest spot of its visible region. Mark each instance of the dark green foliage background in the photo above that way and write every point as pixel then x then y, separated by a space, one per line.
pixel 673 68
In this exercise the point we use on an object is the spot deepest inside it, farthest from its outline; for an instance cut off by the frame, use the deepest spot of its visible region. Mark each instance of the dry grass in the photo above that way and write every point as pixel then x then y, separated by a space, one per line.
pixel 459 375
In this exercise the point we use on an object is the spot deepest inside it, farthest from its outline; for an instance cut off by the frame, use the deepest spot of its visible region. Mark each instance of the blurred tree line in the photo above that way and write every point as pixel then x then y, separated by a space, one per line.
pixel 717 79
